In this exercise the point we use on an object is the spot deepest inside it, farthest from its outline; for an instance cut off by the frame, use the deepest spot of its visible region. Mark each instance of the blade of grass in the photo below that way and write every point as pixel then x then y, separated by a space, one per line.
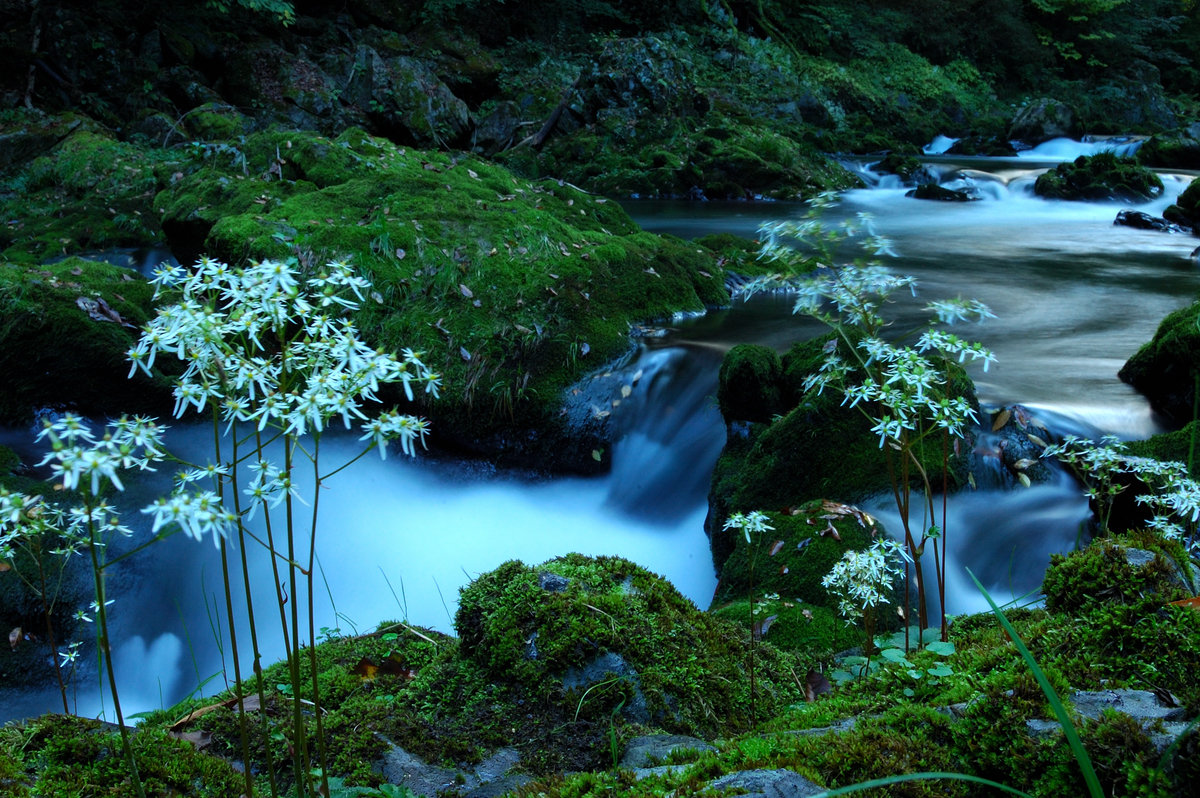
pixel 1081 755
pixel 867 785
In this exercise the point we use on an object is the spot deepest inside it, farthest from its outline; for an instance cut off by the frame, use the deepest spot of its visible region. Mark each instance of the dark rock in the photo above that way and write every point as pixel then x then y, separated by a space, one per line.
pixel 906 167
pixel 1104 176
pixel 406 99
pixel 553 583
pixel 641 752
pixel 31 137
pixel 1178 151
pixel 1043 120
pixel 160 129
pixel 1144 221
pixel 748 386
pixel 982 145
pixel 488 779
pixel 932 191
pixel 498 129
pixel 768 784
pixel 605 667
pixel 1186 210
pixel 642 75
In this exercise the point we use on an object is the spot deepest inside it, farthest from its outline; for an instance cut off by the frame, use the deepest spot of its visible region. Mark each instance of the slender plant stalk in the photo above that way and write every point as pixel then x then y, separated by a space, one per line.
pixel 62 688
pixel 753 707
pixel 301 743
pixel 106 652
pixel 312 635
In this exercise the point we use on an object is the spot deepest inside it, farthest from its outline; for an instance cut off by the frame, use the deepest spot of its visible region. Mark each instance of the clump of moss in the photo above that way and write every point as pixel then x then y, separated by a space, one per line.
pixel 748 387
pixel 1171 447
pixel 1104 176
pixel 1186 209
pixel 1107 572
pixel 808 629
pixel 54 354
pixel 1165 368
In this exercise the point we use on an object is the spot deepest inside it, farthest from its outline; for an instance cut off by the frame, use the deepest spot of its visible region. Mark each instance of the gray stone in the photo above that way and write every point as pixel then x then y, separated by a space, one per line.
pixel 768 784
pixel 488 780
pixel 1161 740
pixel 1141 705
pixel 498 129
pixel 1043 120
pixel 600 668
pixel 1139 558
pixel 840 727
pixel 661 770
pixel 494 789
pixel 1038 729
pixel 643 751
pixel 552 583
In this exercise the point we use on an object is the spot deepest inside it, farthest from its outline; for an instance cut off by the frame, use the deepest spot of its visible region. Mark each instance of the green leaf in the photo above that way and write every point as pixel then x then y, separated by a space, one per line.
pixel 940 648
pixel 940 670
pixel 893 655
pixel 915 674
pixel 841 676
pixel 908 691
pixel 867 785
pixel 1060 711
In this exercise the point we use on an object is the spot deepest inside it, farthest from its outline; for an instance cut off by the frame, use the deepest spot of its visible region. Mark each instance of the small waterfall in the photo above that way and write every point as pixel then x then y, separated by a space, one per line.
pixel 1069 149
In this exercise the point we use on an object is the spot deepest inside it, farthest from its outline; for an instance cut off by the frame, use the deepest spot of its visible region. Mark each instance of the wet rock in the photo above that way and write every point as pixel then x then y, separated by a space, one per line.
pixel 1141 705
pixel 1186 210
pixel 748 387
pixel 406 99
pixel 1164 368
pixel 1042 120
pixel 932 191
pixel 642 752
pixel 24 141
pixel 1144 221
pixel 906 167
pixel 553 583
pixel 1178 151
pixel 642 75
pixel 215 122
pixel 160 129
pixel 982 145
pixel 768 784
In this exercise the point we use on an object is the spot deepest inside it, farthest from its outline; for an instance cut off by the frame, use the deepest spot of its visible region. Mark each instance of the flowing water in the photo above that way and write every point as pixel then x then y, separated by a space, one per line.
pixel 1074 297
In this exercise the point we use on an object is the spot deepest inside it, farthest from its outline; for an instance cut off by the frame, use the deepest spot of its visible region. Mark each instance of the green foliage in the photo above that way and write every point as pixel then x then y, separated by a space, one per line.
pixel 1104 176
pixel 1102 574
pixel 281 10
pixel 748 384
pixel 1165 368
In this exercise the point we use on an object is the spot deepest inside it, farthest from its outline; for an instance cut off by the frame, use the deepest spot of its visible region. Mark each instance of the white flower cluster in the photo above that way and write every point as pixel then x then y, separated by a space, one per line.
pixel 862 579
pixel 1175 501
pixel 754 521
pixel 268 350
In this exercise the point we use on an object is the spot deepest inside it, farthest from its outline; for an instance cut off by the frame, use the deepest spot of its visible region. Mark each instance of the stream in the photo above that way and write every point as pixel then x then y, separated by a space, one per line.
pixel 1074 296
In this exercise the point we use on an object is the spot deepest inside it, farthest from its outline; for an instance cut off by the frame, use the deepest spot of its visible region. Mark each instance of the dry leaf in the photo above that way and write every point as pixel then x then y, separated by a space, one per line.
pixel 77 271
pixel 625 391
pixel 462 350
pixel 400 254
pixel 1024 463
pixel 5 567
pixel 200 739
pixel 807 614
pixel 1001 419
pixel 1038 441
pixel 783 570
pixel 465 291
pixel 1194 603
pixel 776 547
pixel 596 455
pixel 471 172
pixel 830 531
pixel 802 545
pixel 816 685
pixel 584 348
pixel 1024 478
pixel 761 628
pixel 14 638
pixel 636 376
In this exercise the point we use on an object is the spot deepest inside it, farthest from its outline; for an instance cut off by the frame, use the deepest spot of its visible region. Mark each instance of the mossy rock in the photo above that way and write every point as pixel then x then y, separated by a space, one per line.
pixel 512 288
pixel 90 192
pixel 55 355
pixel 1104 176
pixel 1165 368
pixel 906 167
pixel 1115 571
pixel 1170 152
pixel 748 385
pixel 806 629
pixel 1171 447
pixel 556 623
pixel 806 551
pixel 819 448
pixel 1186 210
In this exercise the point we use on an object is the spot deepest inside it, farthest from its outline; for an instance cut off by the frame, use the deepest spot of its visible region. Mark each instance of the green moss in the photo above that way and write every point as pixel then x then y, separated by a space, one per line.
pixel 1104 176
pixel 807 553
pixel 808 629
pixel 554 276
pixel 1165 368
pixel 1186 210
pixel 54 355
pixel 906 167
pixel 748 387
pixel 1170 447
pixel 1170 152
pixel 1101 573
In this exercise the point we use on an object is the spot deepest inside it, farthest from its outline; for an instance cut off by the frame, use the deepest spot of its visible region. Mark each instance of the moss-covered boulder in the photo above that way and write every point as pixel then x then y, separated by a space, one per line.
pixel 577 622
pixel 1136 567
pixel 1042 120
pixel 905 167
pixel 1165 369
pixel 818 448
pixel 790 625
pixel 790 560
pixel 1104 176
pixel 1180 446
pixel 1175 151
pixel 89 192
pixel 513 288
pixel 748 385
pixel 65 330
pixel 1186 209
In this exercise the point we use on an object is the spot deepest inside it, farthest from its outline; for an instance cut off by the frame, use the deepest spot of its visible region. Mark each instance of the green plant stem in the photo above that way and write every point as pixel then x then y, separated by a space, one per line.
pixel 312 635
pixel 62 688
pixel 753 690
pixel 299 737
pixel 258 680
pixel 106 652
pixel 243 733
pixel 1195 417
pixel 884 782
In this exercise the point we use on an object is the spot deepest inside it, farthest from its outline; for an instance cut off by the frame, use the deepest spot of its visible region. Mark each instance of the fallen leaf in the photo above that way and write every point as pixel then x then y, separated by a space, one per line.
pixel 830 531
pixel 465 291
pixel 704 273
pixel 477 303
pixel 584 348
pixel 5 567
pixel 1038 441
pixel 776 547
pixel 462 350
pixel 637 376
pixel 1024 478
pixel 471 172
pixel 807 614
pixel 1024 463
pixel 816 685
pixel 625 391
pixel 14 638
pixel 971 481
pixel 1193 603
pixel 1001 419
pixel 802 545
pixel 400 254
pixel 783 570
pixel 596 455
pixel 761 628
pixel 200 739
pixel 431 167
pixel 77 271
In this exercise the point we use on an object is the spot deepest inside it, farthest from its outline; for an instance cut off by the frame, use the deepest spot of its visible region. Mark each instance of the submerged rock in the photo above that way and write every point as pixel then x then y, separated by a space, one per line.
pixel 932 191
